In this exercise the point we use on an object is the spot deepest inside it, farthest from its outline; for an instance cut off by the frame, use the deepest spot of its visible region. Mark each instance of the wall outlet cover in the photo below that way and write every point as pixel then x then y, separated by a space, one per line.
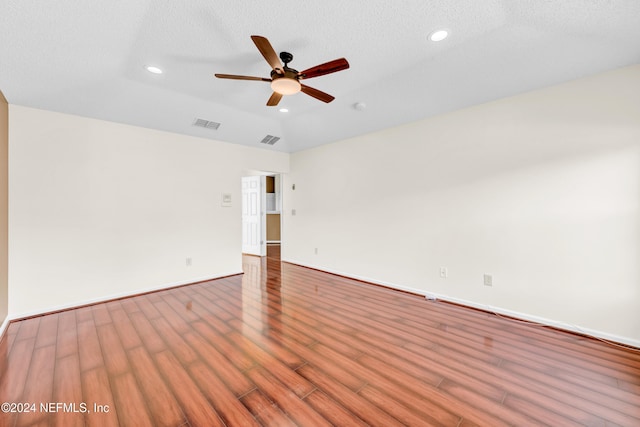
pixel 488 280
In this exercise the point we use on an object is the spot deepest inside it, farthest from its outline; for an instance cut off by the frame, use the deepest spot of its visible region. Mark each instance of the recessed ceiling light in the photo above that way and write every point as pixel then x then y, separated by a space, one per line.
pixel 284 110
pixel 438 35
pixel 152 69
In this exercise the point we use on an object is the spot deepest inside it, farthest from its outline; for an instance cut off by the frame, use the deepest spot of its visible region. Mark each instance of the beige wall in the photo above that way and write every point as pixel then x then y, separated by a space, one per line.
pixel 100 209
pixel 270 184
pixel 4 174
pixel 273 227
pixel 540 190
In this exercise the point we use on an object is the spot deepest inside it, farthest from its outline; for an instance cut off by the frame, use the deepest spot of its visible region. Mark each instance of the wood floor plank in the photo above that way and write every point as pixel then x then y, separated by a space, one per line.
pixel 404 414
pixel 216 323
pixel 16 370
pixel 265 411
pixel 297 328
pixel 423 367
pixel 183 309
pixel 38 387
pixel 543 416
pixel 307 354
pixel 152 341
pixel 6 342
pixel 476 402
pixel 195 406
pixel 208 315
pixel 589 401
pixel 283 373
pixel 12 329
pixel 266 342
pixel 398 384
pixel 84 314
pixel 162 404
pixel 89 346
pixel 286 345
pixel 101 314
pixel 67 387
pixel 230 409
pixel 131 407
pixel 113 305
pixel 286 398
pixel 380 361
pixel 220 342
pixel 67 336
pixel 219 308
pixel 334 412
pixel 29 329
pixel 47 331
pixel 549 356
pixel 125 329
pixel 154 297
pixel 142 304
pixel 170 315
pixel 235 380
pixel 631 388
pixel 185 353
pixel 131 305
pixel 97 390
pixel 355 403
pixel 115 358
pixel 192 303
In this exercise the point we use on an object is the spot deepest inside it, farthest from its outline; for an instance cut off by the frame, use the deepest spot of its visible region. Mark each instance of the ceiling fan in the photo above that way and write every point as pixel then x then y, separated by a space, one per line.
pixel 285 80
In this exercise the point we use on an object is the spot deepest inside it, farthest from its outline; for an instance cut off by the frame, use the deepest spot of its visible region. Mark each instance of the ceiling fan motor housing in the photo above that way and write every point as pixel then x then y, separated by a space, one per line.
pixel 286 57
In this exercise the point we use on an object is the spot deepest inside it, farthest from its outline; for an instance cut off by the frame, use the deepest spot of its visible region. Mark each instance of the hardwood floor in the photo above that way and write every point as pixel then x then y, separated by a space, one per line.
pixel 285 345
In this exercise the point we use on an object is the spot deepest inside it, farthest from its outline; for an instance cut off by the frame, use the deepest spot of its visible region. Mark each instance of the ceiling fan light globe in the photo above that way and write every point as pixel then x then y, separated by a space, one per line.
pixel 286 86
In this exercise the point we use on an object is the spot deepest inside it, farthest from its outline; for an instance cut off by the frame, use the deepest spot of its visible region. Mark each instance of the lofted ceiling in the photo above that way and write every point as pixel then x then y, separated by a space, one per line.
pixel 88 57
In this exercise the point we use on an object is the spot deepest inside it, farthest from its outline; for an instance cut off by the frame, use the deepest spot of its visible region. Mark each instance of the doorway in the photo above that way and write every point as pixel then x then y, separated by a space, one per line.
pixel 261 213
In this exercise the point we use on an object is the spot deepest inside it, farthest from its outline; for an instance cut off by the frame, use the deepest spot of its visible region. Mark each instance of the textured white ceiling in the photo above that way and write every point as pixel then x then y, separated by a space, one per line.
pixel 87 57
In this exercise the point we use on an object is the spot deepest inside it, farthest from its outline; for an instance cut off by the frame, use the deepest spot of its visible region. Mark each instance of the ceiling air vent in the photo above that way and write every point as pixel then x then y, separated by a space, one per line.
pixel 207 124
pixel 270 139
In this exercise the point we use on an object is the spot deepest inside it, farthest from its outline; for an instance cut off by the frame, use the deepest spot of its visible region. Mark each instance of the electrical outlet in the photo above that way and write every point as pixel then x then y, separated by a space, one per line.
pixel 488 280
pixel 443 272
pixel 188 262
pixel 315 251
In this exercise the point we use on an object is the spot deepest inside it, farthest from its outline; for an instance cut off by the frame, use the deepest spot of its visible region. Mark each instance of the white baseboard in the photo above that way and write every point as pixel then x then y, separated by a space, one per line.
pixel 4 325
pixel 503 311
pixel 52 309
pixel 542 321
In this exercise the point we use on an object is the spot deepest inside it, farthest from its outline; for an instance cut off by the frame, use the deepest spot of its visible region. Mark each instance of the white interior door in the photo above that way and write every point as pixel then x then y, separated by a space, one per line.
pixel 254 221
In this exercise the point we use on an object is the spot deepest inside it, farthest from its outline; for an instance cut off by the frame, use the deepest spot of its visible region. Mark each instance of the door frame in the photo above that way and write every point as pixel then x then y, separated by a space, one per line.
pixel 263 207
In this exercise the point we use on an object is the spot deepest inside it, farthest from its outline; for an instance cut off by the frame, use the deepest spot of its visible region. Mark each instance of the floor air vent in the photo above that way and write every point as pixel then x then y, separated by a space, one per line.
pixel 207 124
pixel 270 139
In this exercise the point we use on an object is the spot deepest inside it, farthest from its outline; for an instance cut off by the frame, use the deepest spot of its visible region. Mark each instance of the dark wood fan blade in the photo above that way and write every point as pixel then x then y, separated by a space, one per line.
pixel 275 99
pixel 234 77
pixel 326 68
pixel 317 94
pixel 267 52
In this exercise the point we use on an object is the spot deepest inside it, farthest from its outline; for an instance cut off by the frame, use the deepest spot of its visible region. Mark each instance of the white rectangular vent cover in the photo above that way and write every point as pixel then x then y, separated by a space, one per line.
pixel 270 139
pixel 207 124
